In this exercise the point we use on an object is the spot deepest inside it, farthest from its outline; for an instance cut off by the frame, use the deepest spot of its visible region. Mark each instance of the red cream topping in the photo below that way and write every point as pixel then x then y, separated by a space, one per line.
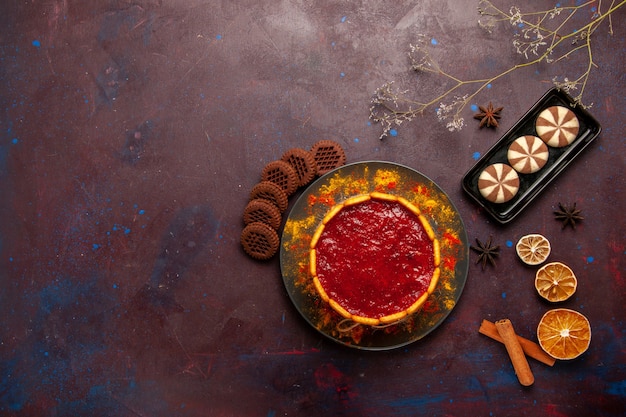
pixel 375 258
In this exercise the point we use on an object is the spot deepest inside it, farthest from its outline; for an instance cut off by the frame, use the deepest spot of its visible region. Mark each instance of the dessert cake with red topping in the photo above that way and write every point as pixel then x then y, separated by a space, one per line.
pixel 375 259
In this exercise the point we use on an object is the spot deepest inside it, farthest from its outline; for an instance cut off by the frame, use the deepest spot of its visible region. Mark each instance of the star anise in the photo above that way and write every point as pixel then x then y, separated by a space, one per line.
pixel 488 115
pixel 568 215
pixel 487 252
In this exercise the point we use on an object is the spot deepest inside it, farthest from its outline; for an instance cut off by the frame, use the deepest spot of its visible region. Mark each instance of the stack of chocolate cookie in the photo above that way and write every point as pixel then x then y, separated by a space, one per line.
pixel 280 179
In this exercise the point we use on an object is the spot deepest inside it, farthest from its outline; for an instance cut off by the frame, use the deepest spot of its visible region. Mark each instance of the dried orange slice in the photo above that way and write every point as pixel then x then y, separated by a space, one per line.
pixel 564 334
pixel 533 249
pixel 555 282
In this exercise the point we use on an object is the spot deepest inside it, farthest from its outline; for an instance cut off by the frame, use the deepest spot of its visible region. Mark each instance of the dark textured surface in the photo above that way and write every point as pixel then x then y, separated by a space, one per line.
pixel 132 134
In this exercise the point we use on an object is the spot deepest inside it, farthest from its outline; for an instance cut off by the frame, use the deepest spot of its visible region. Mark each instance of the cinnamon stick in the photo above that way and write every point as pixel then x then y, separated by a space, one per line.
pixel 529 347
pixel 513 347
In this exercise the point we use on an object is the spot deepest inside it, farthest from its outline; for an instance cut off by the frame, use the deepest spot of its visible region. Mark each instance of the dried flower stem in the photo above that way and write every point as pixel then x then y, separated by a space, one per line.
pixel 536 42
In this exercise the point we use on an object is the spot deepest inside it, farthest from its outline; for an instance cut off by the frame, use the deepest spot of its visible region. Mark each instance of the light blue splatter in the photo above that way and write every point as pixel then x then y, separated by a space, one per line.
pixel 356 140
pixel 342 74
pixel 141 212
pixel 37 43
pixel 14 141
pixel 503 295
pixel 95 246
pixel 343 19
pixel 590 259
pixel 218 37
pixel 393 132
pixel 126 231
pixel 489 85
pixel 509 244
pixel 474 107
pixel 476 155
pixel 434 41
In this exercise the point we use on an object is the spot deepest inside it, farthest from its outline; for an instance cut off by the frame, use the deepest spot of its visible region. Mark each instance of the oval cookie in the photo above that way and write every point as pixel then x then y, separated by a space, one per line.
pixel 498 183
pixel 264 211
pixel 557 126
pixel 281 174
pixel 259 241
pixel 303 163
pixel 328 155
pixel 527 154
pixel 272 192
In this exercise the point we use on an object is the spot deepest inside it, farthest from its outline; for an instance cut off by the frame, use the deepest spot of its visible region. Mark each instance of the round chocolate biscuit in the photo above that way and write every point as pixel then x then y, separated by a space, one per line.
pixel 272 192
pixel 557 126
pixel 282 174
pixel 259 241
pixel 328 155
pixel 303 163
pixel 527 154
pixel 498 183
pixel 263 211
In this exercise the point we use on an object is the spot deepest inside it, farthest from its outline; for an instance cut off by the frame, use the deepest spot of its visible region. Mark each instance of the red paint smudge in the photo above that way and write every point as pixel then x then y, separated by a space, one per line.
pixel 328 377
pixel 392 185
pixel 551 411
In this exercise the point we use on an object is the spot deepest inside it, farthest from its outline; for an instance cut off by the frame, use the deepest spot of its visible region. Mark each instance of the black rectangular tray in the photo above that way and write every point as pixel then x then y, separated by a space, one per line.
pixel 531 184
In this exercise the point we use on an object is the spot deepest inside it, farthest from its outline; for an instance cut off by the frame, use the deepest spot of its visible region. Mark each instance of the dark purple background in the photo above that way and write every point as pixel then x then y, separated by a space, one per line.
pixel 131 136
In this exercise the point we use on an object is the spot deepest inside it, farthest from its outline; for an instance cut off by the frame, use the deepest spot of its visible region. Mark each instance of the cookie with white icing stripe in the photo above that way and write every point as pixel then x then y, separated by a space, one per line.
pixel 527 154
pixel 557 126
pixel 498 183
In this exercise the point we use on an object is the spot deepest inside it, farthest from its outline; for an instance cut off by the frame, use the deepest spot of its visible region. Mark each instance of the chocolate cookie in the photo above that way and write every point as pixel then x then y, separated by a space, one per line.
pixel 328 155
pixel 281 174
pixel 303 163
pixel 263 211
pixel 527 154
pixel 557 126
pixel 272 192
pixel 259 241
pixel 498 183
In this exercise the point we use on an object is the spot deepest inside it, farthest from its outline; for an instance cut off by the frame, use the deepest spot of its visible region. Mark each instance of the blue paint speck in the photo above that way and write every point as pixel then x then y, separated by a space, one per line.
pixel 343 74
pixel 356 140
pixel 476 155
pixel 503 295
pixel 10 259
pixel 15 141
pixel 509 244
pixel 393 132
pixel 434 41
pixel 489 85
pixel 218 37
pixel 343 19
pixel 590 259
pixel 474 107
pixel 36 43
pixel 126 231
pixel 141 212
pixel 95 246
pixel 114 285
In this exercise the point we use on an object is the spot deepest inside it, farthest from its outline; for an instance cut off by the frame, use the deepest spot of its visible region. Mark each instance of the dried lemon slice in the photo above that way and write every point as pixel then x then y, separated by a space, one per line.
pixel 564 334
pixel 555 282
pixel 533 249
